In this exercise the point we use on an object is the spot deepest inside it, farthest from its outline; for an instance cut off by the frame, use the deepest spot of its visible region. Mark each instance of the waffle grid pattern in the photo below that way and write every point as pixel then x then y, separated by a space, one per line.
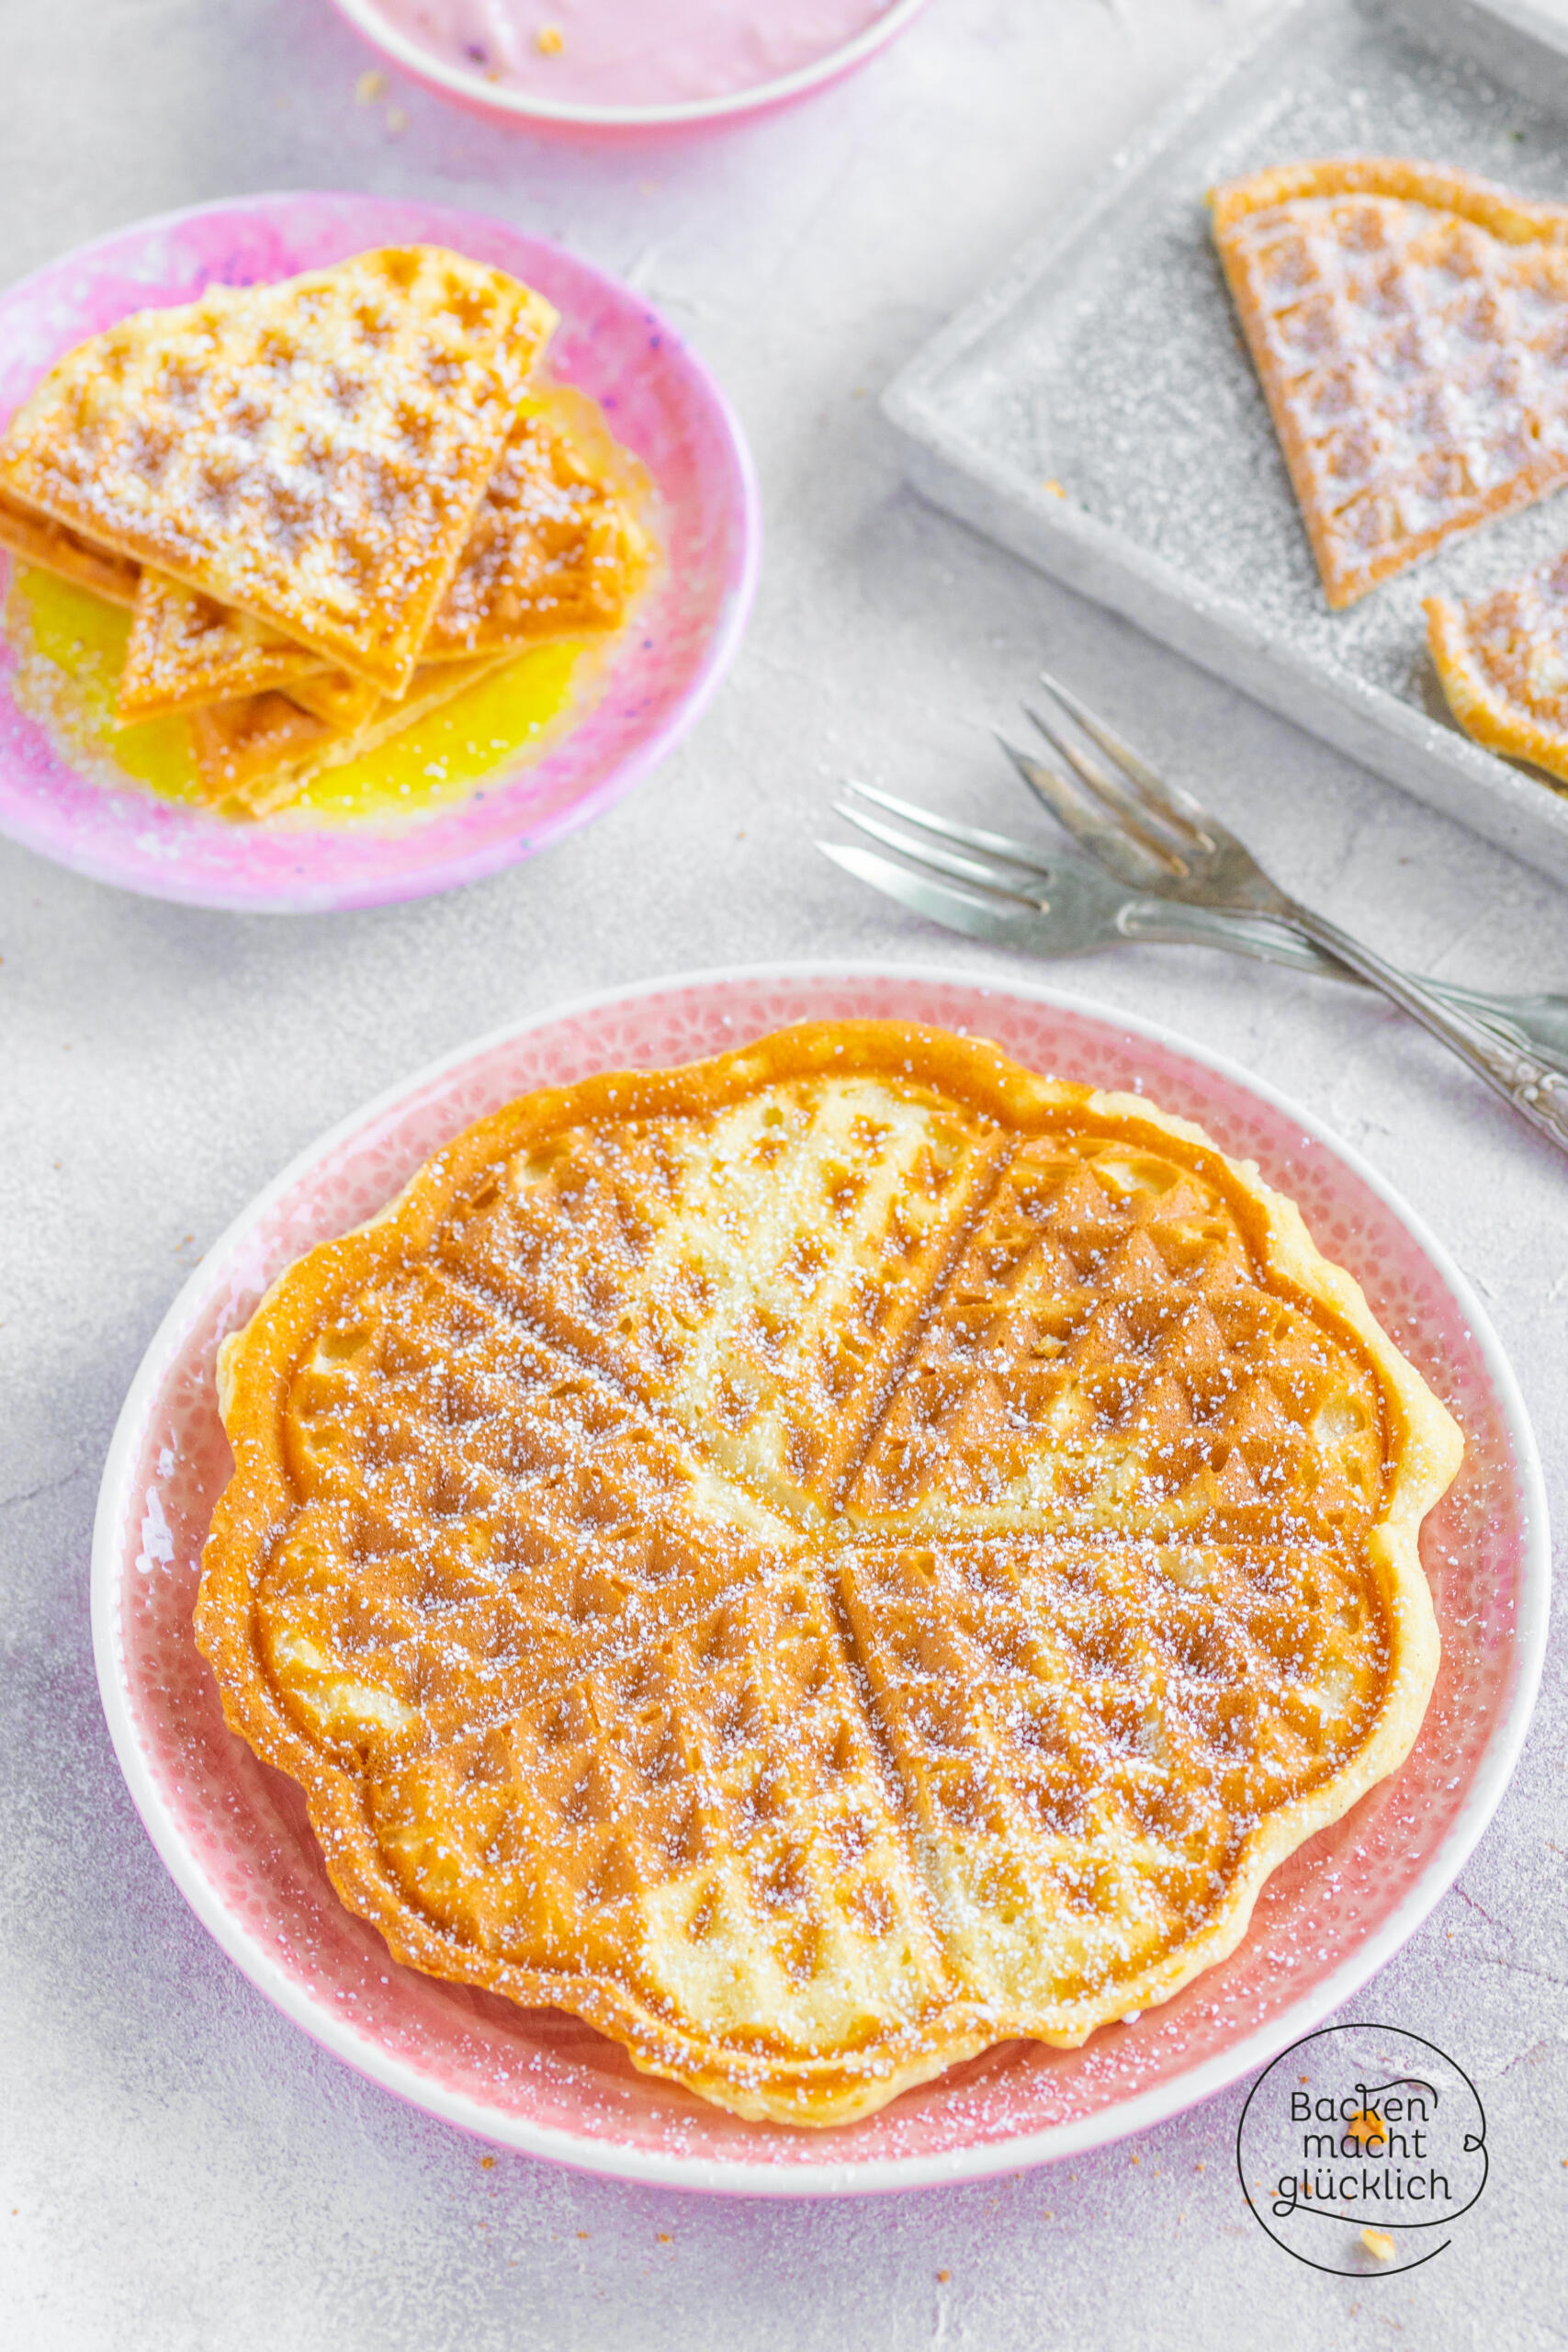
pixel 1503 663
pixel 312 454
pixel 1410 329
pixel 824 1806
pixel 311 492
pixel 553 548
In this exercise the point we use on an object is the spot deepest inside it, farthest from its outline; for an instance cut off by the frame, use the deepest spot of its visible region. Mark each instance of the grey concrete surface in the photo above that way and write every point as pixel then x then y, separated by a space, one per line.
pixel 180 2168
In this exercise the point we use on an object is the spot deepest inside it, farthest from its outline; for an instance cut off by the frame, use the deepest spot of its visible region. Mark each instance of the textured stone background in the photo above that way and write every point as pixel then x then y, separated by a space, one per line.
pixel 181 2168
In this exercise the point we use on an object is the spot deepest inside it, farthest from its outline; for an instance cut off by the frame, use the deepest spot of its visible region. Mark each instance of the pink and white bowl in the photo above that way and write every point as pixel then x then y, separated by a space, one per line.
pixel 661 402
pixel 234 1834
pixel 656 99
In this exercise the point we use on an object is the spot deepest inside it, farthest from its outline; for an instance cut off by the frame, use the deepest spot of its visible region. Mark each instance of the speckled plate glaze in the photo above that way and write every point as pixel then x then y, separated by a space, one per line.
pixel 661 400
pixel 234 1834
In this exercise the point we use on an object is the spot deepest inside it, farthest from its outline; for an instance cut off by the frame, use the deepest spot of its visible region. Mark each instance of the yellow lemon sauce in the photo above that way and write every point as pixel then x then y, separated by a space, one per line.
pixel 71 644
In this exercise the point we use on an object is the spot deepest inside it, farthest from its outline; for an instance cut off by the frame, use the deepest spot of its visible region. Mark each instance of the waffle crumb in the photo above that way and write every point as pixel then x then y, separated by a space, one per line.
pixel 1379 2244
pixel 368 87
pixel 550 40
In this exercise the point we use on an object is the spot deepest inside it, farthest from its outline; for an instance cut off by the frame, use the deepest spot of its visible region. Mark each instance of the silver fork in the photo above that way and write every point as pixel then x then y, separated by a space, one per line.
pixel 1014 895
pixel 1162 839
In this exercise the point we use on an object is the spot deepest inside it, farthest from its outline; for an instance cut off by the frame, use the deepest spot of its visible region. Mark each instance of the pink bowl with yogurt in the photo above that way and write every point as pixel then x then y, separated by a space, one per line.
pixel 619 68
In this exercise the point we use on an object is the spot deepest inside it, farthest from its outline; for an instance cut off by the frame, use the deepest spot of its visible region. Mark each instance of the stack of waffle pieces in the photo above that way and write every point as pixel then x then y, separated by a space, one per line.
pixel 1502 661
pixel 330 504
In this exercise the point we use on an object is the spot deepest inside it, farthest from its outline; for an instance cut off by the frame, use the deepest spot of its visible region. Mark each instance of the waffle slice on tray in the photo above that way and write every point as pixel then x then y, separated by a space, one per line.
pixel 823 1560
pixel 254 754
pixel 1410 326
pixel 1503 663
pixel 311 453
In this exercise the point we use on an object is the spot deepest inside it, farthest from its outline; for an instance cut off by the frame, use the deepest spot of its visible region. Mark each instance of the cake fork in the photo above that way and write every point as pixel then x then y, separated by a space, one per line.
pixel 1015 894
pixel 1158 837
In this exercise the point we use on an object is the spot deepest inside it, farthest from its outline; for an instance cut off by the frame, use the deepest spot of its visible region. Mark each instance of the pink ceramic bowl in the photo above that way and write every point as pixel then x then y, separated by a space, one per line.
pixel 235 1837
pixel 656 119
pixel 661 400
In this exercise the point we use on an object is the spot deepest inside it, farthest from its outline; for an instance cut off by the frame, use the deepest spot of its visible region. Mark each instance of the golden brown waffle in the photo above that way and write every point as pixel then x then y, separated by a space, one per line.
pixel 1410 326
pixel 345 703
pixel 36 540
pixel 256 755
pixel 311 453
pixel 185 650
pixel 823 1560
pixel 1503 661
pixel 557 547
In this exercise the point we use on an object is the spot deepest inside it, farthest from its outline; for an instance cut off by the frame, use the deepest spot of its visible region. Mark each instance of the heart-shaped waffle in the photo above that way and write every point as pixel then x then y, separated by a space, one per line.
pixel 824 1559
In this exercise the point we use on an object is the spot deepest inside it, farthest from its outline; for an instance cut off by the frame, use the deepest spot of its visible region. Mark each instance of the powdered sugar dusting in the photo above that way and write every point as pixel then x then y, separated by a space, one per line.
pixel 617 349
pixel 545 2081
pixel 1124 375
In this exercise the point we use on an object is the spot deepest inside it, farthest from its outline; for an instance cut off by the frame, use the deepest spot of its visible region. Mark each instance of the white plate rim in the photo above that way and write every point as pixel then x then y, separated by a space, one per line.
pixel 880 2174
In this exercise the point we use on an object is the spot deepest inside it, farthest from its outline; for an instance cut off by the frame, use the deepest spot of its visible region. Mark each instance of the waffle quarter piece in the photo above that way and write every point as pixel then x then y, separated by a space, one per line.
pixel 823 1560
pixel 37 540
pixel 185 650
pixel 255 754
pixel 555 549
pixel 1410 326
pixel 311 453
pixel 1503 663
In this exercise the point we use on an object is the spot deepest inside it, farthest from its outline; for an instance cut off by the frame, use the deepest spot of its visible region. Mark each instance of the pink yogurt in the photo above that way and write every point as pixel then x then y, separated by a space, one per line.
pixel 631 53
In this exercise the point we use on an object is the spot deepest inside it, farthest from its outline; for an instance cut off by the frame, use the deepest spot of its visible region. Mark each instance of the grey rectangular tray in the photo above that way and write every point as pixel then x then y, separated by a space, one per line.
pixel 1106 358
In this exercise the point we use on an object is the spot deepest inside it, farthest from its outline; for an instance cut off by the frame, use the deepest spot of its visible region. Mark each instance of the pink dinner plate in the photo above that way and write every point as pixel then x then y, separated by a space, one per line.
pixel 234 1835
pixel 700 69
pixel 659 401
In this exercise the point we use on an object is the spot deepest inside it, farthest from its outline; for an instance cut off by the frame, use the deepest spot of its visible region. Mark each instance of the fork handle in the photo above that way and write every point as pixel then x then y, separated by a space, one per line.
pixel 1537 1023
pixel 1537 1093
